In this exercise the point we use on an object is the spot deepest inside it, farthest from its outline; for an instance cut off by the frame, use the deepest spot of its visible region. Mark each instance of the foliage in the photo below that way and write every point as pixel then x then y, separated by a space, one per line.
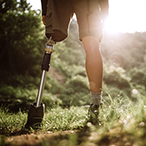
pixel 65 119
pixel 77 92
pixel 51 100
pixel 138 76
pixel 21 40
pixel 55 119
pixel 11 123
pixel 123 118
pixel 115 77
pixel 120 121
pixel 15 99
pixel 124 49
pixel 52 85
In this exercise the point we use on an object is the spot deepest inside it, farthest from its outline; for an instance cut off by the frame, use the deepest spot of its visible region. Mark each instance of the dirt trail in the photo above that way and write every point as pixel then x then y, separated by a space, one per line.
pixel 38 139
pixel 50 138
pixel 69 138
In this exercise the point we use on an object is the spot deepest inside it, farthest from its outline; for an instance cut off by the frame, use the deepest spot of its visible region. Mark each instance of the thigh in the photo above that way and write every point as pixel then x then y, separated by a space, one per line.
pixel 88 17
pixel 58 17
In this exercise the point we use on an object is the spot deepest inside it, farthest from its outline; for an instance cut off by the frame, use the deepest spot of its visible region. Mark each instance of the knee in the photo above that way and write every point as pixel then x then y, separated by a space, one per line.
pixel 90 44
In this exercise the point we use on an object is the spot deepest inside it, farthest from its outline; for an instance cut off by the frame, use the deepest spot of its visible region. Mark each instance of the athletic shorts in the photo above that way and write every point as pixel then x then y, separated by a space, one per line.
pixel 60 12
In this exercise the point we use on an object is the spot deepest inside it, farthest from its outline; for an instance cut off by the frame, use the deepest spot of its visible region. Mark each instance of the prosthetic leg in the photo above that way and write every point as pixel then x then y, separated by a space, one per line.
pixel 37 109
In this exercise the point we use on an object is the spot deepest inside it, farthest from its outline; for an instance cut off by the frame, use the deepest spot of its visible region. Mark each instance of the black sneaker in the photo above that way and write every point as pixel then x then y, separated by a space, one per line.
pixel 93 113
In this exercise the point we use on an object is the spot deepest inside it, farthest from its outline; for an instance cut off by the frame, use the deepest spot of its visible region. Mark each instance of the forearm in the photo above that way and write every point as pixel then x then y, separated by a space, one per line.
pixel 44 6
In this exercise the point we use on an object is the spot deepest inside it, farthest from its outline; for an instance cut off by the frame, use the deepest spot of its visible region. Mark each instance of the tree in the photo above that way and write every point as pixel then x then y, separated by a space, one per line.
pixel 21 40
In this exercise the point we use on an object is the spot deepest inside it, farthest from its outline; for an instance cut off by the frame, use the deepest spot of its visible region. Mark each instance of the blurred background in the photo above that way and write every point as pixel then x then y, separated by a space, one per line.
pixel 22 41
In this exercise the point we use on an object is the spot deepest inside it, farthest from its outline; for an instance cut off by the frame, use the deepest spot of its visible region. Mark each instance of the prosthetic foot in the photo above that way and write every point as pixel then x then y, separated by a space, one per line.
pixel 35 116
pixel 37 109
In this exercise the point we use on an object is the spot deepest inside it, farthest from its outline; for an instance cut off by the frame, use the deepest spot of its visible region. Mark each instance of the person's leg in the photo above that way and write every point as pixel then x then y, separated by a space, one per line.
pixel 94 66
pixel 90 33
pixel 94 69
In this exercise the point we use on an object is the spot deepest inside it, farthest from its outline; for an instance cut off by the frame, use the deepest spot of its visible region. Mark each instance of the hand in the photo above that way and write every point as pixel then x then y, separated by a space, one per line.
pixel 44 19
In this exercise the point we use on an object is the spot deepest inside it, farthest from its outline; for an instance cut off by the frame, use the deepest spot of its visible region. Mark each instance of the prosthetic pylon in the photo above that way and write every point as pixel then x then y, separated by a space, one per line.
pixel 37 109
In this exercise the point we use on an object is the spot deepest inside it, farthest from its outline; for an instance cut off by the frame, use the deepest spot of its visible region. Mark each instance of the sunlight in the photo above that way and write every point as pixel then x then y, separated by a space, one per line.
pixel 111 26
pixel 126 16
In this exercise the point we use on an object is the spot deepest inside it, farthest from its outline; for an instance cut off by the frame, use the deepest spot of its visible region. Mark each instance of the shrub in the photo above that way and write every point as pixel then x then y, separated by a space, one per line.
pixel 76 92
pixel 116 77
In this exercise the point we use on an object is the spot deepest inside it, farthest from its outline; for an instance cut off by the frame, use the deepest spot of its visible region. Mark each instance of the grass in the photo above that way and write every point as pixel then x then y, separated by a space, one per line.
pixel 10 122
pixel 122 122
pixel 65 119
pixel 55 119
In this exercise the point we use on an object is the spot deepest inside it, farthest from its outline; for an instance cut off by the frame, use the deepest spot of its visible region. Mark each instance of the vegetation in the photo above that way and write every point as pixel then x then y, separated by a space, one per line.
pixel 121 122
pixel 66 94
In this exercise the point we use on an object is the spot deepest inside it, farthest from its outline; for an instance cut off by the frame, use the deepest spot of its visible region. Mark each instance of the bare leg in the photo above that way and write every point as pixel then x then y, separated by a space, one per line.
pixel 94 66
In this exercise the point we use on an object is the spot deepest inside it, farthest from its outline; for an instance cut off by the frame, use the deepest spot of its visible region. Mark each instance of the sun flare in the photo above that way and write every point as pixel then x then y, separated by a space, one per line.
pixel 126 16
